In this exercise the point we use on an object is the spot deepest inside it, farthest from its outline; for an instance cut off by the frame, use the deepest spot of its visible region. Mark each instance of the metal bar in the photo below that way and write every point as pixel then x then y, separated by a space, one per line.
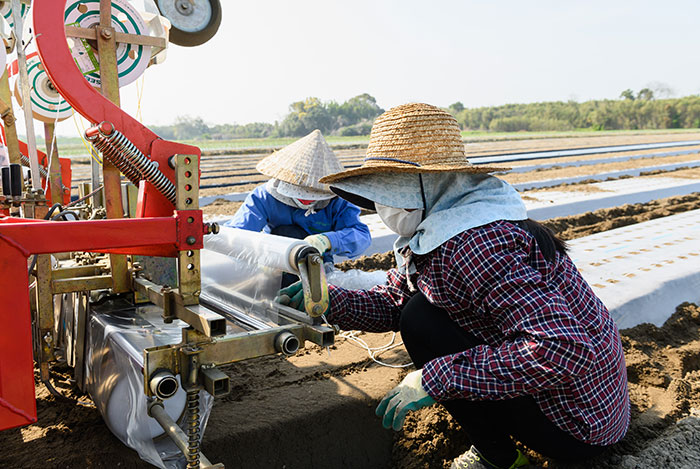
pixel 224 350
pixel 68 285
pixel 11 140
pixel 78 271
pixel 91 33
pixel 45 237
pixel 44 322
pixel 157 411
pixel 26 95
pixel 17 404
pixel 202 319
pixel 54 164
pixel 109 79
pixel 187 198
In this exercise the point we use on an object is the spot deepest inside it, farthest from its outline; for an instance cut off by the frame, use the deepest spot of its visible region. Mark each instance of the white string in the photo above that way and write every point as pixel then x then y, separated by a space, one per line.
pixel 374 351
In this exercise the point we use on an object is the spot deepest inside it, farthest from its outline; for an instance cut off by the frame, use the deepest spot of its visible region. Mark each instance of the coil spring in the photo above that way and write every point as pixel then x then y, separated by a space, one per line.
pixel 193 429
pixel 130 161
pixel 44 173
pixel 111 153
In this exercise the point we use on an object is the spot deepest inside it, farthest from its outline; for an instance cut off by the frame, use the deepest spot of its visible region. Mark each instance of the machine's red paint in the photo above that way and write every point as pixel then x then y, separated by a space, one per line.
pixel 157 232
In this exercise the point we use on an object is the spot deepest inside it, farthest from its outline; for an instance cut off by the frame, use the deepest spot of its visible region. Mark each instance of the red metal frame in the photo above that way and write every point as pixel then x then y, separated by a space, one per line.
pixel 19 239
pixel 69 81
pixel 158 232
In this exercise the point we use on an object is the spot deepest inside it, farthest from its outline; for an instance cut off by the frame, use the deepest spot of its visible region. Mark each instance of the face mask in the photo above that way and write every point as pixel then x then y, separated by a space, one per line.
pixel 399 220
pixel 305 204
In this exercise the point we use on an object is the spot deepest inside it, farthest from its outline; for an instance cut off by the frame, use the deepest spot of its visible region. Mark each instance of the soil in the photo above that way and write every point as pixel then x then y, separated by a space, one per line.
pixel 663 367
pixel 317 410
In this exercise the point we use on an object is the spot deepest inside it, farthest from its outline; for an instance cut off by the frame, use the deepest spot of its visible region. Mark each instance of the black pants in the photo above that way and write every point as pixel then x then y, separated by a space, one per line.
pixel 428 333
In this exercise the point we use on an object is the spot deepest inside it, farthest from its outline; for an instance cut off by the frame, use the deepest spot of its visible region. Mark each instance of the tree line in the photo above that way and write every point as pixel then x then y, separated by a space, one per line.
pixel 353 117
pixel 632 111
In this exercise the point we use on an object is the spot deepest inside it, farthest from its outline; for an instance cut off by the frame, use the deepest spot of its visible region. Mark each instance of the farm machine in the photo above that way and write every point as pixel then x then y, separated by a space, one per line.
pixel 124 283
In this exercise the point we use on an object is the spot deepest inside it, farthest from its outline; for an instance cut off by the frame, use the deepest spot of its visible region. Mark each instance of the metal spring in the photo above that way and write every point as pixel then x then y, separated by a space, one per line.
pixel 44 173
pixel 193 429
pixel 130 160
pixel 112 154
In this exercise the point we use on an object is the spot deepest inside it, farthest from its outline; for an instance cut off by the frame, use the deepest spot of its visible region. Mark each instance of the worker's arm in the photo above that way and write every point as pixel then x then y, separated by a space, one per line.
pixel 375 310
pixel 545 344
pixel 350 237
pixel 252 215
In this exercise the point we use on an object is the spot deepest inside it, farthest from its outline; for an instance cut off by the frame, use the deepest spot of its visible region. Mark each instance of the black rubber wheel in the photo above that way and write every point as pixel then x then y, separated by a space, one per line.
pixel 194 21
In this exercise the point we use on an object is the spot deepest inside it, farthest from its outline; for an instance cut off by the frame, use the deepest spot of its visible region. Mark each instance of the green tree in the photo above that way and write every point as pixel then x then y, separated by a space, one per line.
pixel 627 94
pixel 645 94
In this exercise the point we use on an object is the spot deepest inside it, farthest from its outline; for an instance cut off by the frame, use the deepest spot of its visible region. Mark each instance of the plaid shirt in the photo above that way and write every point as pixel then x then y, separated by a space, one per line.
pixel 546 333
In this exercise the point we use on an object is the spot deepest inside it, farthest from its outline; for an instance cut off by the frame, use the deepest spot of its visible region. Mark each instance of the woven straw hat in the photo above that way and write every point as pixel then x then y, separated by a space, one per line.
pixel 414 138
pixel 302 163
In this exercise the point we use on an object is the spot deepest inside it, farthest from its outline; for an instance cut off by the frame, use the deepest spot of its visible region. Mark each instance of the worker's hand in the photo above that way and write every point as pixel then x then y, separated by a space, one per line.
pixel 320 242
pixel 409 395
pixel 292 296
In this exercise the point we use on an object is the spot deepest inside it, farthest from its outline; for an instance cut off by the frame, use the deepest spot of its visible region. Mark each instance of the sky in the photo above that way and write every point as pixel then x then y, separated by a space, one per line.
pixel 270 53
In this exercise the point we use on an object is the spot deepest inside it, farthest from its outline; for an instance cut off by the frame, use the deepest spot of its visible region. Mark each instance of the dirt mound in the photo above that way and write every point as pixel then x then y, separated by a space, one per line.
pixel 663 366
pixel 577 226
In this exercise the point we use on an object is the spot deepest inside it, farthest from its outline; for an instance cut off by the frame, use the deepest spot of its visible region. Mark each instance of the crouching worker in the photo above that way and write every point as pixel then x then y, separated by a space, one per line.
pixel 502 328
pixel 294 204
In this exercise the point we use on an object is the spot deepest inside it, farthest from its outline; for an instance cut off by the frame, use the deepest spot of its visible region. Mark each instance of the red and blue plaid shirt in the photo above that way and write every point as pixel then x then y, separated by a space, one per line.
pixel 546 333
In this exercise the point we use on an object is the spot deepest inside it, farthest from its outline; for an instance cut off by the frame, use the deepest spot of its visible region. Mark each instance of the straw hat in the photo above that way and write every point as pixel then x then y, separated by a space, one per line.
pixel 302 163
pixel 414 138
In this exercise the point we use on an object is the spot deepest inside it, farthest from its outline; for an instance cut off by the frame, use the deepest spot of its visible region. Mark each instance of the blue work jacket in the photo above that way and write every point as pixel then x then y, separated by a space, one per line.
pixel 339 221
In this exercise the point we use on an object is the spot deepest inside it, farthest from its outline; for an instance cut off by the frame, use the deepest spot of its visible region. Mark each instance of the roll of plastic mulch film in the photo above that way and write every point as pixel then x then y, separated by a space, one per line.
pixel 47 104
pixel 194 22
pixel 6 12
pixel 132 59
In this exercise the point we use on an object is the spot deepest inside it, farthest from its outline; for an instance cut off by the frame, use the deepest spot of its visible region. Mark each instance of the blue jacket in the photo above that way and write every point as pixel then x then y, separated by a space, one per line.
pixel 339 221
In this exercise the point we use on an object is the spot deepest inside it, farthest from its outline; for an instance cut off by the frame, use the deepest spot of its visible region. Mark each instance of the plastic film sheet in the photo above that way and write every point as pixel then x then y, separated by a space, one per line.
pixel 643 271
pixel 114 379
pixel 234 285
pixel 251 247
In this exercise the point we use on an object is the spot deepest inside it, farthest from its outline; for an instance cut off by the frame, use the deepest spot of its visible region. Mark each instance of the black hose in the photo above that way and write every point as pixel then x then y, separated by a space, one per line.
pixel 33 264
pixel 51 210
pixel 63 215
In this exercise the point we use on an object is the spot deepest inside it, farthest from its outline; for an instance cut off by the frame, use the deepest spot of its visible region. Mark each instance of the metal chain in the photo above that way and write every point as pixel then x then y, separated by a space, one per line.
pixel 193 429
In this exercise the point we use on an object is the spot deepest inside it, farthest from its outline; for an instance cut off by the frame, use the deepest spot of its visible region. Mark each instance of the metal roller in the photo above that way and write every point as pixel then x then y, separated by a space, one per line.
pixel 194 22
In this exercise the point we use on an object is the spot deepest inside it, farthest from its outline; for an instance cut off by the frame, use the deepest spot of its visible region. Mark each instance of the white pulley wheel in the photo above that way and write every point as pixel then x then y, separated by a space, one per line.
pixel 194 22
pixel 47 104
pixel 132 59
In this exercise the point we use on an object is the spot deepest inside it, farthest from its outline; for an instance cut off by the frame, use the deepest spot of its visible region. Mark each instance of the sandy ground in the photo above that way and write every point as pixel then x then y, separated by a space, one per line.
pixel 316 410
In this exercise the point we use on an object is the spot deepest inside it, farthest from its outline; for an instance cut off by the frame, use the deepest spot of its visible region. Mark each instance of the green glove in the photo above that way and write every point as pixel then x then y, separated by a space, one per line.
pixel 292 296
pixel 320 242
pixel 409 395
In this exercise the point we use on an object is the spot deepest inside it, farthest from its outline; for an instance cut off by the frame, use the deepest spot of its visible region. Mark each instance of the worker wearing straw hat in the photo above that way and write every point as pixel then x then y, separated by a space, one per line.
pixel 294 204
pixel 504 331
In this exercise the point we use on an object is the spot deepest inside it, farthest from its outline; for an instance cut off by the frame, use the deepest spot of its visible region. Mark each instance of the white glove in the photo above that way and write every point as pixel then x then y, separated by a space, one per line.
pixel 320 242
pixel 409 395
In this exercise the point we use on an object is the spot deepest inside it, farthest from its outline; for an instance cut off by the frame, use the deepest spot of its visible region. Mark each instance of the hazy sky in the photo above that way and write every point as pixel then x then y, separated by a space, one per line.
pixel 269 53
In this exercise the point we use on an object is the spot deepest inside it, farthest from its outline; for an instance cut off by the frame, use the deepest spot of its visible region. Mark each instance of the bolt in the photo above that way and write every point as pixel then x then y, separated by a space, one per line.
pixel 48 338
pixel 106 34
pixel 212 228
pixel 191 240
